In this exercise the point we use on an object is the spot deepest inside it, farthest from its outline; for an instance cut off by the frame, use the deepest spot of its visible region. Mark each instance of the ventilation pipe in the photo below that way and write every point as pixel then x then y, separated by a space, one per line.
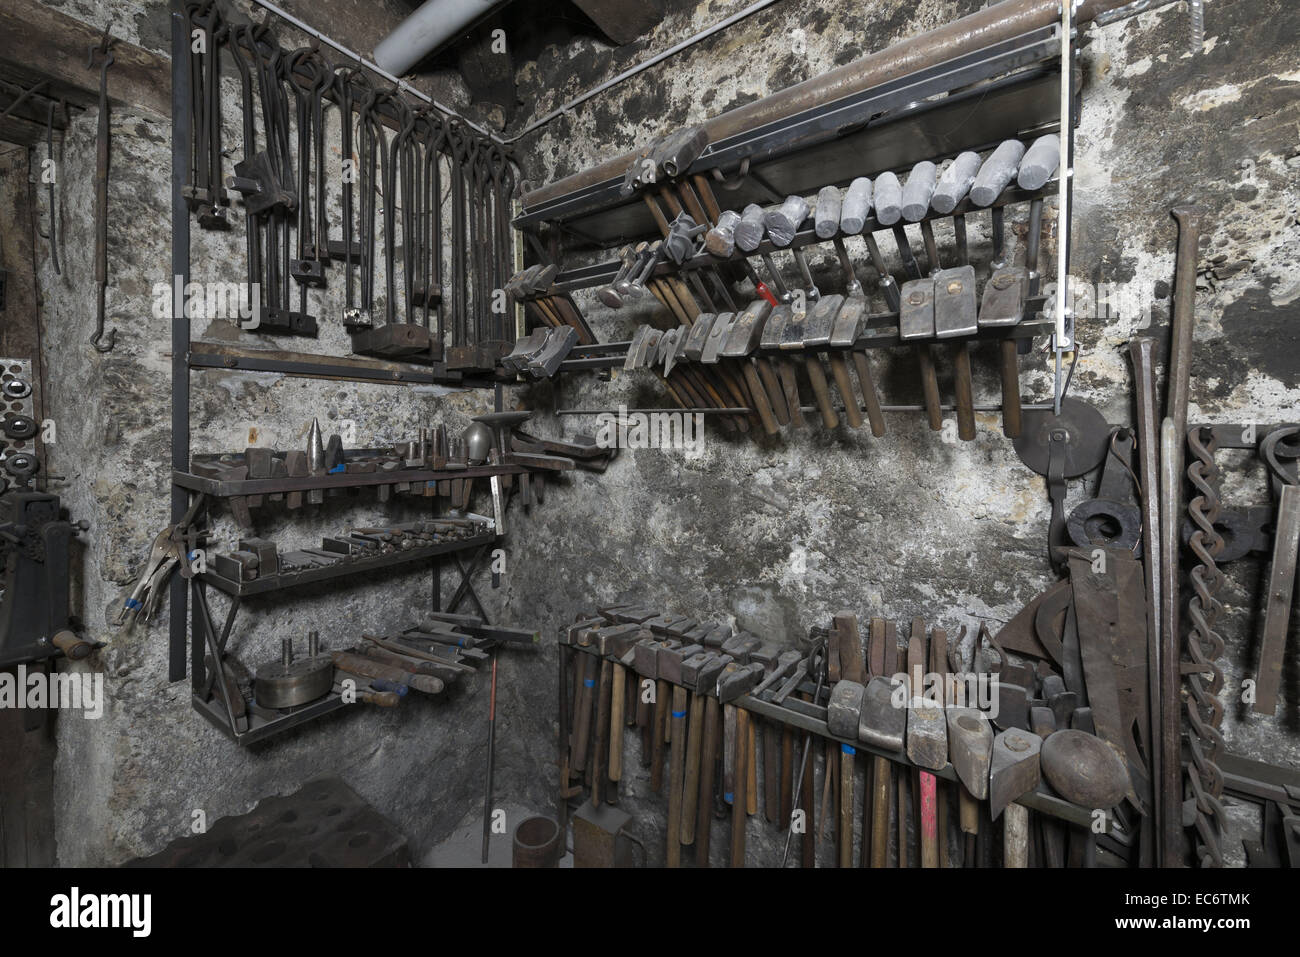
pixel 428 29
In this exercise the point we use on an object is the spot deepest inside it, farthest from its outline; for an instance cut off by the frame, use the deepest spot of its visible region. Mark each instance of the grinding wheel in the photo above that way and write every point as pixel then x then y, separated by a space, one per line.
pixel 1083 429
pixel 1084 769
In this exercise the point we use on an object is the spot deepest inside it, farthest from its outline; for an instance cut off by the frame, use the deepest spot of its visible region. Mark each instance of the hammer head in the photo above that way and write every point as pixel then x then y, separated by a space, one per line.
pixel 927 735
pixel 747 330
pixel 821 321
pixel 579 633
pixel 844 710
pixel 1013 768
pixel 616 640
pixel 645 656
pixel 737 679
pixel 916 312
pixel 883 723
pixel 717 337
pixel 849 322
pixel 741 646
pixel 699 335
pixel 970 747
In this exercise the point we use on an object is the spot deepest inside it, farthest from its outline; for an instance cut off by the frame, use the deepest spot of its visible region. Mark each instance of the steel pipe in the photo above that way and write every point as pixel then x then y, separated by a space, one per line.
pixel 995 24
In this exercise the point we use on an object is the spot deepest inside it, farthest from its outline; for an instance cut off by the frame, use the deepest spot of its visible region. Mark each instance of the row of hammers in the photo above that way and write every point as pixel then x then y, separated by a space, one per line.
pixel 938 302
pixel 725 718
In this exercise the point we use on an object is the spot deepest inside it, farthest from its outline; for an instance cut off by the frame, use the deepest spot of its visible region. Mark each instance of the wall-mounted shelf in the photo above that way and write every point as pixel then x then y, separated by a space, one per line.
pixel 342 569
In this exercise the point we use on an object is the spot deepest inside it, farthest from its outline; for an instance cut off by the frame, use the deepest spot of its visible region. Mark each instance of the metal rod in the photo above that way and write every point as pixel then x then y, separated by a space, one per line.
pixel 181 133
pixel 491 755
pixel 745 410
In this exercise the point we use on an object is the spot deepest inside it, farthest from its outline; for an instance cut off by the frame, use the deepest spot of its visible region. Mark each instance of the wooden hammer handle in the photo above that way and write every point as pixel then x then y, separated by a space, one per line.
pixel 840 371
pixel 929 386
pixel 1010 389
pixel 708 768
pixel 676 777
pixel 691 786
pixel 847 753
pixel 817 376
pixel 617 721
pixel 964 393
pixel 867 383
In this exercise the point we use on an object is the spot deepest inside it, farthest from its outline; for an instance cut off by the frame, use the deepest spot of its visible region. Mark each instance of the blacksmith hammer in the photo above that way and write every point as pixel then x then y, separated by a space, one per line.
pixel 1013 772
pixel 954 315
pixel 801 327
pixel 916 325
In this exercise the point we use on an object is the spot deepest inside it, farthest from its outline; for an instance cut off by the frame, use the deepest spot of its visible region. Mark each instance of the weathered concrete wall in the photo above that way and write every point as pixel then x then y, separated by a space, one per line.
pixel 779 537
pixel 776 537
pixel 130 782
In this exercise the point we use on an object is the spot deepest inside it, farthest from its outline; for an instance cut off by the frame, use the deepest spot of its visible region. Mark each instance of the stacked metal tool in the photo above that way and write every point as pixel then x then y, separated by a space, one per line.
pixel 420 270
pixel 257 559
pixel 726 718
pixel 772 352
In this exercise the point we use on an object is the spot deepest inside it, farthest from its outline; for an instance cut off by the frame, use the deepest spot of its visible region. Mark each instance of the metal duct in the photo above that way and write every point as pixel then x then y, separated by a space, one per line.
pixel 428 28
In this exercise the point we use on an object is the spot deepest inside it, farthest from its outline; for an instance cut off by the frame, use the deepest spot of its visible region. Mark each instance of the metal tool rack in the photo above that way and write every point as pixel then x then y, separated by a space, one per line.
pixel 201 635
pixel 970 102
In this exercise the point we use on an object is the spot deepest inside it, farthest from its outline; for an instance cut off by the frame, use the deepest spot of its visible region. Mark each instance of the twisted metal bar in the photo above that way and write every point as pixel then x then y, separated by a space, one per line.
pixel 1204 648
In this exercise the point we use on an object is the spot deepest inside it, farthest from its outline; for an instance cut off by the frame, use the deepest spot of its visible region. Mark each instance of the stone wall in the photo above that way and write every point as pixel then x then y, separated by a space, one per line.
pixel 774 536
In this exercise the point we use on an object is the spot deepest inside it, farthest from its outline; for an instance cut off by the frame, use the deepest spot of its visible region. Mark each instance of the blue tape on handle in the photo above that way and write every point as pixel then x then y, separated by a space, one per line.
pixel 679 714
pixel 589 682
pixel 848 749
pixel 132 603
pixel 337 469
pixel 729 797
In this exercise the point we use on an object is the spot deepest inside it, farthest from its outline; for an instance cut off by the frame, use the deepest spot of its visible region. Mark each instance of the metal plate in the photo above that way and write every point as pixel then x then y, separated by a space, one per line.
pixel 794 332
pixel 717 336
pixel 746 332
pixel 916 315
pixel 699 335
pixel 850 322
pixel 324 824
pixel 1004 297
pixel 954 302
pixel 821 321
pixel 1084 431
pixel 774 330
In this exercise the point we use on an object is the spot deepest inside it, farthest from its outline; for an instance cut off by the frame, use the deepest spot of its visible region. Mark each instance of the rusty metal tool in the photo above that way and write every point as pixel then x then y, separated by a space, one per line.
pixel 1277 450
pixel 742 339
pixel 783 368
pixel 1013 772
pixel 1084 769
pixel 800 329
pixel 826 315
pixel 1171 464
pixel 804 791
pixel 849 324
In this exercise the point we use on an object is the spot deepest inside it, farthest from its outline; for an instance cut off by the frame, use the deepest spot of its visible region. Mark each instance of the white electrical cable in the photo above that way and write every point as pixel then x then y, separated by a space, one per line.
pixel 1063 344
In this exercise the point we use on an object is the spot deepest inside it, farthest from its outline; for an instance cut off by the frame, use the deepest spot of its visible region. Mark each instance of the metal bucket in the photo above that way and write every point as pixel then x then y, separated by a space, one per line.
pixel 538 843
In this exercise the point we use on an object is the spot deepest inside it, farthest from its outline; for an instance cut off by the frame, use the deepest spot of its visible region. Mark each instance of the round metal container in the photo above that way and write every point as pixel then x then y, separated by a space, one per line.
pixel 538 843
